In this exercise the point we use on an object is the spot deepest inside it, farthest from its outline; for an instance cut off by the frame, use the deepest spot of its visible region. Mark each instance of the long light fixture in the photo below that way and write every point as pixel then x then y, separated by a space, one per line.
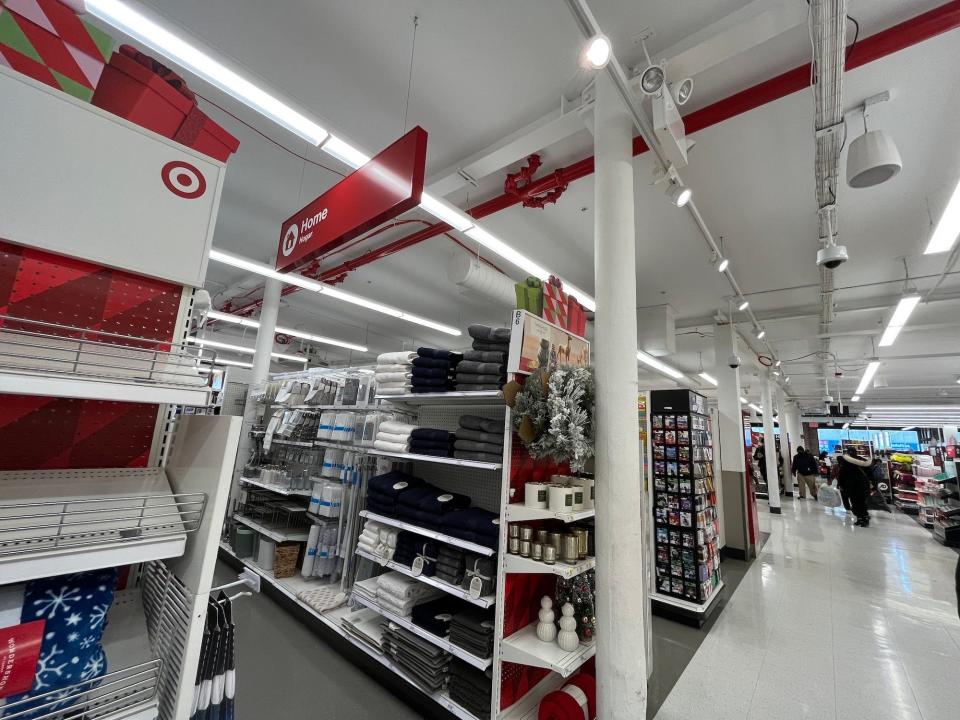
pixel 865 380
pixel 743 400
pixel 327 290
pixel 899 319
pixel 855 398
pixel 722 264
pixel 947 230
pixel 158 38
pixel 756 408
pixel 651 361
pixel 709 378
pixel 908 427
pixel 203 342
pixel 445 212
pixel 224 361
pixel 247 322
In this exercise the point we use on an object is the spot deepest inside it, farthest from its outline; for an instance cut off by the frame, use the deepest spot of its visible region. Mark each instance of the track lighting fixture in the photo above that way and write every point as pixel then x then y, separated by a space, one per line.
pixel 744 305
pixel 722 264
pixel 759 333
pixel 678 194
pixel 596 53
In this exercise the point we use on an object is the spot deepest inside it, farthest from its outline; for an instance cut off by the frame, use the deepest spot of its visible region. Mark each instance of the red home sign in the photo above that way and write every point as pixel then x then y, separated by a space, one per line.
pixel 390 184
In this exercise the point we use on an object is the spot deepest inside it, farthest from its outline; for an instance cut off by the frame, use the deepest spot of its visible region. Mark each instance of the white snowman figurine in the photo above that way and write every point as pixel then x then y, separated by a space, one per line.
pixel 567 637
pixel 546 628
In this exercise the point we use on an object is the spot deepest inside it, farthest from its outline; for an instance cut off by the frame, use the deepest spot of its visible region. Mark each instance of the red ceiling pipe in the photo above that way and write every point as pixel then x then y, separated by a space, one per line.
pixel 879 45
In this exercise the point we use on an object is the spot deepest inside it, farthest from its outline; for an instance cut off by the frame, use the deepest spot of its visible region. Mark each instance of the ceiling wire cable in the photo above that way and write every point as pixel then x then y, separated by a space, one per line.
pixel 413 49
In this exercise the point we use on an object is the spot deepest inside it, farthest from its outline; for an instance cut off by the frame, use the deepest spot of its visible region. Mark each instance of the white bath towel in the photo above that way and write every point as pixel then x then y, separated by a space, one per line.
pixel 390 447
pixel 392 368
pixel 396 427
pixel 397 358
pixel 392 377
pixel 401 438
pixel 402 390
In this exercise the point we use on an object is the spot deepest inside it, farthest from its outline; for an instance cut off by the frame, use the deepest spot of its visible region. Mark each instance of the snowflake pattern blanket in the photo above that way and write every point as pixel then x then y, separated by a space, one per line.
pixel 74 609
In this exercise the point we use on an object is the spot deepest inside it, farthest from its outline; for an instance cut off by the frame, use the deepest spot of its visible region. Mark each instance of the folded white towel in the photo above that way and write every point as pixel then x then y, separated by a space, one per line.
pixel 393 368
pixel 401 390
pixel 398 358
pixel 393 437
pixel 369 536
pixel 397 584
pixel 391 447
pixel 371 547
pixel 396 427
pixel 395 383
pixel 392 377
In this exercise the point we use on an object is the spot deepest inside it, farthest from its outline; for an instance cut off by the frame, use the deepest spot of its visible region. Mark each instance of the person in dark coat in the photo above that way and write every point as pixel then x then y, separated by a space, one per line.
pixel 855 484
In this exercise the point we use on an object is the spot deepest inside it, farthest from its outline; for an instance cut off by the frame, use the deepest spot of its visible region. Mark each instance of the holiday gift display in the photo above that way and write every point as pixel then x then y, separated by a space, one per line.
pixel 576 700
pixel 686 535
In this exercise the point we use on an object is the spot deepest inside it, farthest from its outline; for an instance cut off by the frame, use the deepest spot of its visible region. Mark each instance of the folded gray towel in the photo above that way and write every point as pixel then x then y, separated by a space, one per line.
pixel 474 422
pixel 480 436
pixel 490 334
pixel 474 446
pixel 481 368
pixel 488 346
pixel 476 387
pixel 480 379
pixel 485 356
pixel 477 457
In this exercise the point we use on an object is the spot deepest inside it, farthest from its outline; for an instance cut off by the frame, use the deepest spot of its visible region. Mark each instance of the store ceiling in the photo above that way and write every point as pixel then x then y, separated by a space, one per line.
pixel 484 70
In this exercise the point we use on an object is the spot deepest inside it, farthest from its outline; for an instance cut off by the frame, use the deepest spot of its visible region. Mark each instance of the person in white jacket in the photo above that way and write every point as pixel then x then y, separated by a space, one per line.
pixel 855 483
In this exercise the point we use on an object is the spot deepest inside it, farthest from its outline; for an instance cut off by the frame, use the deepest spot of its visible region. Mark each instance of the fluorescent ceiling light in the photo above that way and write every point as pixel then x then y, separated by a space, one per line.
pixel 760 333
pixel 723 264
pixel 345 152
pixel 657 365
pixel 497 245
pixel 908 427
pixel 327 290
pixel 709 378
pixel 855 398
pixel 445 212
pixel 161 40
pixel 224 361
pixel 786 379
pixel 867 377
pixel 947 230
pixel 756 408
pixel 204 342
pixel 744 305
pixel 743 400
pixel 899 319
pixel 247 322
pixel 778 363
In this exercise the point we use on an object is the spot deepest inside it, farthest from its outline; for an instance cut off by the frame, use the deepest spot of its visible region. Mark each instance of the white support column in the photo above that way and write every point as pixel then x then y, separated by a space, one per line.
pixel 621 514
pixel 788 439
pixel 265 334
pixel 770 445
pixel 732 488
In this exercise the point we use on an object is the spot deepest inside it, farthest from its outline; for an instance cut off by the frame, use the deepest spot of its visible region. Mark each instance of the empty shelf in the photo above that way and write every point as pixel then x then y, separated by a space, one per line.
pixel 525 648
pixel 518 564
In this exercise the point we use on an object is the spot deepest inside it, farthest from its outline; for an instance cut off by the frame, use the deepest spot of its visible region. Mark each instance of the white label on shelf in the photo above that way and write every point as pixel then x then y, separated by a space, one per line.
pixel 476 586
pixel 417 567
pixel 445 498
pixel 400 485
pixel 443 617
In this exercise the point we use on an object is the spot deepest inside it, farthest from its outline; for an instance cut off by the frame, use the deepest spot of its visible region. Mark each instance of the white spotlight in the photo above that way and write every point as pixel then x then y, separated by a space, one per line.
pixel 744 305
pixel 597 52
pixel 722 264
pixel 684 91
pixel 759 333
pixel 678 194
pixel 872 159
pixel 652 80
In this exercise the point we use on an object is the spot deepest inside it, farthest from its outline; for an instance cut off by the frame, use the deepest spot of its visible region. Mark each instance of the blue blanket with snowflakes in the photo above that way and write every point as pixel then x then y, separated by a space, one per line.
pixel 74 609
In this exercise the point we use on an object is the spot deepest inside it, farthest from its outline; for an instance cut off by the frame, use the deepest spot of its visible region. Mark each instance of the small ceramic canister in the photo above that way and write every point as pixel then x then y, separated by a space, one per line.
pixel 556 539
pixel 524 548
pixel 536 551
pixel 549 554
pixel 582 542
pixel 513 531
pixel 514 546
pixel 571 551
pixel 542 536
pixel 561 498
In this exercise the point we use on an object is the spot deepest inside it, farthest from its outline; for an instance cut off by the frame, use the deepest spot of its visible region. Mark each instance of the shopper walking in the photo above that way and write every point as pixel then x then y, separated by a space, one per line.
pixel 806 469
pixel 855 484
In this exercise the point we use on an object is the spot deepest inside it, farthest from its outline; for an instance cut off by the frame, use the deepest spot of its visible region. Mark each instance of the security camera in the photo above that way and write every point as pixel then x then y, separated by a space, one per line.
pixel 832 256
pixel 828 398
pixel 734 361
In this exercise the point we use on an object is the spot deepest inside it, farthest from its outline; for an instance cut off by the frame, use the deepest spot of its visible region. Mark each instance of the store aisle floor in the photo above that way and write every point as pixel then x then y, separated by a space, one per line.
pixel 832 621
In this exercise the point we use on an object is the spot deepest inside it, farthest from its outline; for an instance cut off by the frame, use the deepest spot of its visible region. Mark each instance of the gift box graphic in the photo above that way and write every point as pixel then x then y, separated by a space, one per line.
pixel 554 302
pixel 47 41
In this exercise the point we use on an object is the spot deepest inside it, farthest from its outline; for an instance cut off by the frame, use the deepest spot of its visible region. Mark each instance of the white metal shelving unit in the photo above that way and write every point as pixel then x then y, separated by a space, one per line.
pixel 519 564
pixel 448 539
pixel 273 531
pixel 411 457
pixel 279 489
pixel 518 512
pixel 480 397
pixel 484 601
pixel 526 648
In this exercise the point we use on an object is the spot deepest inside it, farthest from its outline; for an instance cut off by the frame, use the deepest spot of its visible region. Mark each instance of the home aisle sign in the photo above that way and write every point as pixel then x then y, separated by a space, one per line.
pixel 389 184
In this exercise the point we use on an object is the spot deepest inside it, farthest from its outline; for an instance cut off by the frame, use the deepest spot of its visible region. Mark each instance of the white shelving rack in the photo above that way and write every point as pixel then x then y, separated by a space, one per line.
pixel 168 515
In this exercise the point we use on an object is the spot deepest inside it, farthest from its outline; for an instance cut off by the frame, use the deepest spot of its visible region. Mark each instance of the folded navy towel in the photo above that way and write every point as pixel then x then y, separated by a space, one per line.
pixel 477 456
pixel 434 434
pixel 490 334
pixel 431 444
pixel 443 502
pixel 481 368
pixel 479 436
pixel 429 382
pixel 474 422
pixel 388 510
pixel 411 497
pixel 474 537
pixel 473 387
pixel 440 354
pixel 479 379
pixel 487 346
pixel 381 499
pixel 426 362
pixel 393 483
pixel 479 447
pixel 430 372
pixel 419 518
pixel 487 356
pixel 476 520
pixel 435 616
pixel 432 451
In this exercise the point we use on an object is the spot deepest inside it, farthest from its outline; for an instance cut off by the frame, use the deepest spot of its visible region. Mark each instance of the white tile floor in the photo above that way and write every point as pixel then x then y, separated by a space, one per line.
pixel 832 621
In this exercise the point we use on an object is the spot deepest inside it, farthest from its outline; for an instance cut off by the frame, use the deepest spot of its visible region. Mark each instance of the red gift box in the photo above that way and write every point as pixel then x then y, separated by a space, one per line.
pixel 554 302
pixel 138 88
pixel 576 317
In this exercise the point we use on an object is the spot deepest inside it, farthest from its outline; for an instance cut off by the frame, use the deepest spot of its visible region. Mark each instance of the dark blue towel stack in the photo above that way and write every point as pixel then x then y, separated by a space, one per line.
pixel 474 524
pixel 451 564
pixel 433 370
pixel 384 492
pixel 410 546
pixel 428 441
pixel 435 616
pixel 472 630
pixel 428 505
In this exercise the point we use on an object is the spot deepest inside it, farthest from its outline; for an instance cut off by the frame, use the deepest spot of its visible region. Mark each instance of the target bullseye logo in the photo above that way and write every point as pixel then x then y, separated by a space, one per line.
pixel 290 240
pixel 183 179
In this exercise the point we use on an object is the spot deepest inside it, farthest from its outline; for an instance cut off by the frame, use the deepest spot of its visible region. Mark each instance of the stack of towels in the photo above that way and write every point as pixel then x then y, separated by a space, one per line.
pixel 451 564
pixel 410 546
pixel 474 524
pixel 378 540
pixel 483 569
pixel 399 594
pixel 427 505
pixel 472 630
pixel 437 615
pixel 394 373
pixel 384 491
pixel 393 436
pixel 423 662
pixel 433 370
pixel 485 366
pixel 480 439
pixel 471 688
pixel 429 441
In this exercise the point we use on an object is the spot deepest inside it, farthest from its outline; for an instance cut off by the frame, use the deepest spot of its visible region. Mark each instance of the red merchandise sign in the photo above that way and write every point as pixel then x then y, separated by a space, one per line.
pixel 390 184
pixel 19 651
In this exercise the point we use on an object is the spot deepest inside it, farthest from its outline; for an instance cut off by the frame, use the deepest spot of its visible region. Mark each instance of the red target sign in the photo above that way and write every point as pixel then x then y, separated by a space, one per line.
pixel 183 180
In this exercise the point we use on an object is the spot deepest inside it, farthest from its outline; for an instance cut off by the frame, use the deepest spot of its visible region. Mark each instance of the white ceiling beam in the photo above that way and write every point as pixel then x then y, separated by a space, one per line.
pixel 541 133
pixel 733 35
